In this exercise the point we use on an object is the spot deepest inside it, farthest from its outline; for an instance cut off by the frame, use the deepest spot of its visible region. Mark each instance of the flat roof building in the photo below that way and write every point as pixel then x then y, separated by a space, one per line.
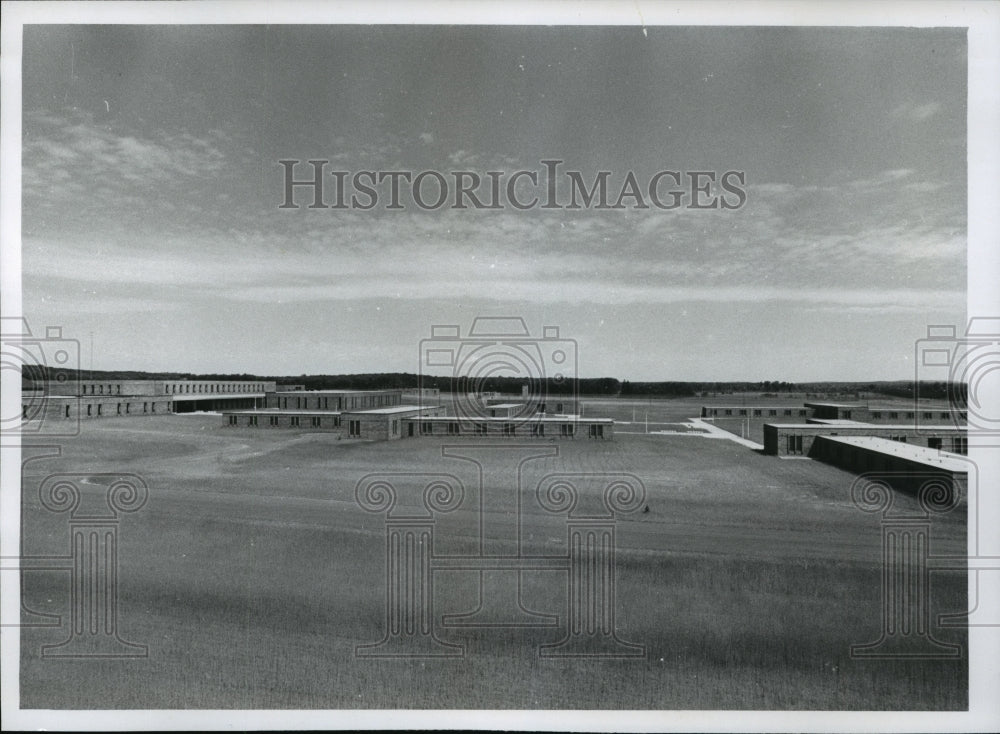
pixel 796 439
pixel 333 399
pixel 902 465
pixel 375 424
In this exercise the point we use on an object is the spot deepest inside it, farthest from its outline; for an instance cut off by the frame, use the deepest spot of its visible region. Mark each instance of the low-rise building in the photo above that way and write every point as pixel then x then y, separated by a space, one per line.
pixel 796 439
pixel 338 400
pixel 376 424
pixel 902 465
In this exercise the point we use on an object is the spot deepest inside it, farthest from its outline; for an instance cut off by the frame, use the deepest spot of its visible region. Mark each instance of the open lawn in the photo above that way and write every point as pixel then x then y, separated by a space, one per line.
pixel 252 575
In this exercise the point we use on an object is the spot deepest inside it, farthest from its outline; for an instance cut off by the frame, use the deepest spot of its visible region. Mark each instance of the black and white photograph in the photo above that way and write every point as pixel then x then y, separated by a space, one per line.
pixel 623 366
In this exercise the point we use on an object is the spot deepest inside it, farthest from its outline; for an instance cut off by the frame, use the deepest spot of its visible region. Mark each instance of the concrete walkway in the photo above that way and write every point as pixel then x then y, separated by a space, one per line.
pixel 716 432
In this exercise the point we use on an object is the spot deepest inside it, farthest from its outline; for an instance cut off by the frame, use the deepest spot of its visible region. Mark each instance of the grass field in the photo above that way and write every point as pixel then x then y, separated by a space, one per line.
pixel 252 575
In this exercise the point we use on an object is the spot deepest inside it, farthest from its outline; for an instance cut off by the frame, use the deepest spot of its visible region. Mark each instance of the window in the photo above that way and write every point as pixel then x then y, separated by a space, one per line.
pixel 756 412
pixel 945 416
pixel 480 429
pixel 772 412
pixel 567 429
pixel 453 429
pixel 934 443
pixel 119 408
pixel 876 414
pixel 802 412
pixel 795 444
pixel 89 408
pixel 743 411
pixel 128 408
pixel 728 411
pixel 252 420
pixel 909 415
pixel 960 444
pixel 508 429
pixel 294 420
pixel 788 412
pixel 153 407
pixel 316 421
pixel 847 414
pixel 354 429
pixel 99 406
pixel 395 427
pixel 537 429
pixel 67 411
pixel 232 420
pixel 336 420
pixel 272 420
pixel 119 390
pixel 425 428
pixel 145 407
pixel 596 431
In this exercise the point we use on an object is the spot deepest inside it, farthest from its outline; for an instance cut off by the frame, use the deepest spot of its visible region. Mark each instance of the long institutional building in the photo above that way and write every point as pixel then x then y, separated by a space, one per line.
pixel 378 415
pixel 910 444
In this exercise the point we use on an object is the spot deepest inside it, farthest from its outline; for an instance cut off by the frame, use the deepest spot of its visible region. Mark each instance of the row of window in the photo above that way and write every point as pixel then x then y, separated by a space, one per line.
pixel 510 429
pixel 147 407
pixel 99 390
pixel 184 387
pixel 323 402
pixel 759 412
pixel 926 415
pixel 876 414
pixel 295 420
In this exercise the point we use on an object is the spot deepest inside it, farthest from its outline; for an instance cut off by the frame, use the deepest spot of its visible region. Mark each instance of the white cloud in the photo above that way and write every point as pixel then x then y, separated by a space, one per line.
pixel 917 112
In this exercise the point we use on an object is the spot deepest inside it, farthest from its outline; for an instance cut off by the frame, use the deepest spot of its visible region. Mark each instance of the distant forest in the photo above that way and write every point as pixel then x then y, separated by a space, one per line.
pixel 609 386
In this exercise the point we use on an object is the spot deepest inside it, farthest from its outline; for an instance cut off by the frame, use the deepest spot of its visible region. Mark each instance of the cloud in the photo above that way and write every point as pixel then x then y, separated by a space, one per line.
pixel 185 211
pixel 917 112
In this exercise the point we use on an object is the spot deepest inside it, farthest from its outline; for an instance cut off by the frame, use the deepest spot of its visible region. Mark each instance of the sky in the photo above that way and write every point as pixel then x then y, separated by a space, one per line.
pixel 152 187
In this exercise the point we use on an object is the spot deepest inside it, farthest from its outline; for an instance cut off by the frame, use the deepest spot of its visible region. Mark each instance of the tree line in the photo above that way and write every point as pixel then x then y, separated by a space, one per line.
pixel 602 386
